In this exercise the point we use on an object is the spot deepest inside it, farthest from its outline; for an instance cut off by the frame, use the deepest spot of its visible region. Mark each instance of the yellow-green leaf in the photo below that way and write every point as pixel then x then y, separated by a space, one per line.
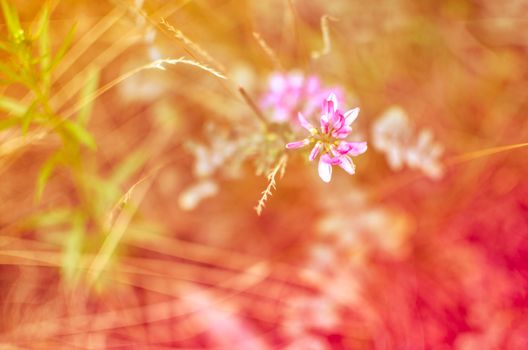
pixel 6 46
pixel 57 216
pixel 44 174
pixel 128 167
pixel 79 134
pixel 42 34
pixel 8 123
pixel 12 106
pixel 28 117
pixel 73 247
pixel 64 47
pixel 13 24
pixel 10 73
pixel 86 94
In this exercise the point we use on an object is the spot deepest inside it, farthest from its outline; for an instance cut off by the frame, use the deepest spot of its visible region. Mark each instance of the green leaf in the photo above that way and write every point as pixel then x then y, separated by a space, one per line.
pixel 145 231
pixel 28 117
pixel 7 47
pixel 41 22
pixel 8 123
pixel 105 194
pixel 51 218
pixel 64 47
pixel 13 24
pixel 128 167
pixel 10 73
pixel 42 34
pixel 86 97
pixel 44 174
pixel 78 133
pixel 73 247
pixel 12 106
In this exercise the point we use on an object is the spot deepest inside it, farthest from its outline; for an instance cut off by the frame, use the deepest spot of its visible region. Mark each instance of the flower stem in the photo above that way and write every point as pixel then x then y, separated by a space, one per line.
pixel 254 107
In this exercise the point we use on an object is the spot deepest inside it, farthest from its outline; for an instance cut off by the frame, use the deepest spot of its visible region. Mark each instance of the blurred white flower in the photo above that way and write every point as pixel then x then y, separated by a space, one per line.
pixel 425 154
pixel 391 132
pixel 393 135
pixel 193 195
pixel 222 157
pixel 323 256
pixel 220 321
pixel 219 155
pixel 371 227
pixel 308 342
pixel 311 313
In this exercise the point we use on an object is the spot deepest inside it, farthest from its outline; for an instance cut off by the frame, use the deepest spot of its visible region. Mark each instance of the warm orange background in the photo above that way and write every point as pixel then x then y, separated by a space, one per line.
pixel 112 257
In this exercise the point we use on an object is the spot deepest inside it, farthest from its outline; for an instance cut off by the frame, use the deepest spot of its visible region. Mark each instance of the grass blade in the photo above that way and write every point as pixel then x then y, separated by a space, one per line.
pixel 27 118
pixel 12 106
pixel 79 134
pixel 86 101
pixel 45 173
pixel 64 47
pixel 42 34
pixel 73 246
pixel 12 21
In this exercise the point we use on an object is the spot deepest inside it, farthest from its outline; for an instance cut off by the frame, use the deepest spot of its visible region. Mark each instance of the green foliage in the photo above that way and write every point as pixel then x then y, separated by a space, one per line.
pixel 62 50
pixel 11 106
pixel 75 133
pixel 13 24
pixel 28 116
pixel 49 219
pixel 28 61
pixel 128 167
pixel 73 248
pixel 42 35
pixel 82 228
pixel 86 100
pixel 45 173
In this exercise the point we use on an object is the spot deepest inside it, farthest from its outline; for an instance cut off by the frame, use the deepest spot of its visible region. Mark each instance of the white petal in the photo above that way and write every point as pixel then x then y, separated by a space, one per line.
pixel 304 123
pixel 347 165
pixel 433 169
pixel 351 115
pixel 395 158
pixel 332 97
pixel 354 148
pixel 193 195
pixel 424 138
pixel 297 144
pixel 325 171
pixel 315 151
pixel 277 83
pixel 296 80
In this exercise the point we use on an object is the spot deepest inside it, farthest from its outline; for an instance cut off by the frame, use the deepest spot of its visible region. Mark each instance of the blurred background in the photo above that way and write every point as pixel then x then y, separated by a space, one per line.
pixel 148 201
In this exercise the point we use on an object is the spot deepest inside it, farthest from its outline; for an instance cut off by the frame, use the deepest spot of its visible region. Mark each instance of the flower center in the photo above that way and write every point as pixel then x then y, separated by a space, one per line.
pixel 324 138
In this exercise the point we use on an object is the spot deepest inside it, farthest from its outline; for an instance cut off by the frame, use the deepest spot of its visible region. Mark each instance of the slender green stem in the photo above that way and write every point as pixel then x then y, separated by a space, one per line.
pixel 253 106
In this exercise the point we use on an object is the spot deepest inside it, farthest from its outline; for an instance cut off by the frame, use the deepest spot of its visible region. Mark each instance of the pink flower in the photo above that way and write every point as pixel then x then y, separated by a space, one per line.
pixel 329 141
pixel 289 93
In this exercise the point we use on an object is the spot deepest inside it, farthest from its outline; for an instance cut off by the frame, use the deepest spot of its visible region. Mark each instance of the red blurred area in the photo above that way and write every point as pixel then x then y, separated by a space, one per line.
pixel 151 241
